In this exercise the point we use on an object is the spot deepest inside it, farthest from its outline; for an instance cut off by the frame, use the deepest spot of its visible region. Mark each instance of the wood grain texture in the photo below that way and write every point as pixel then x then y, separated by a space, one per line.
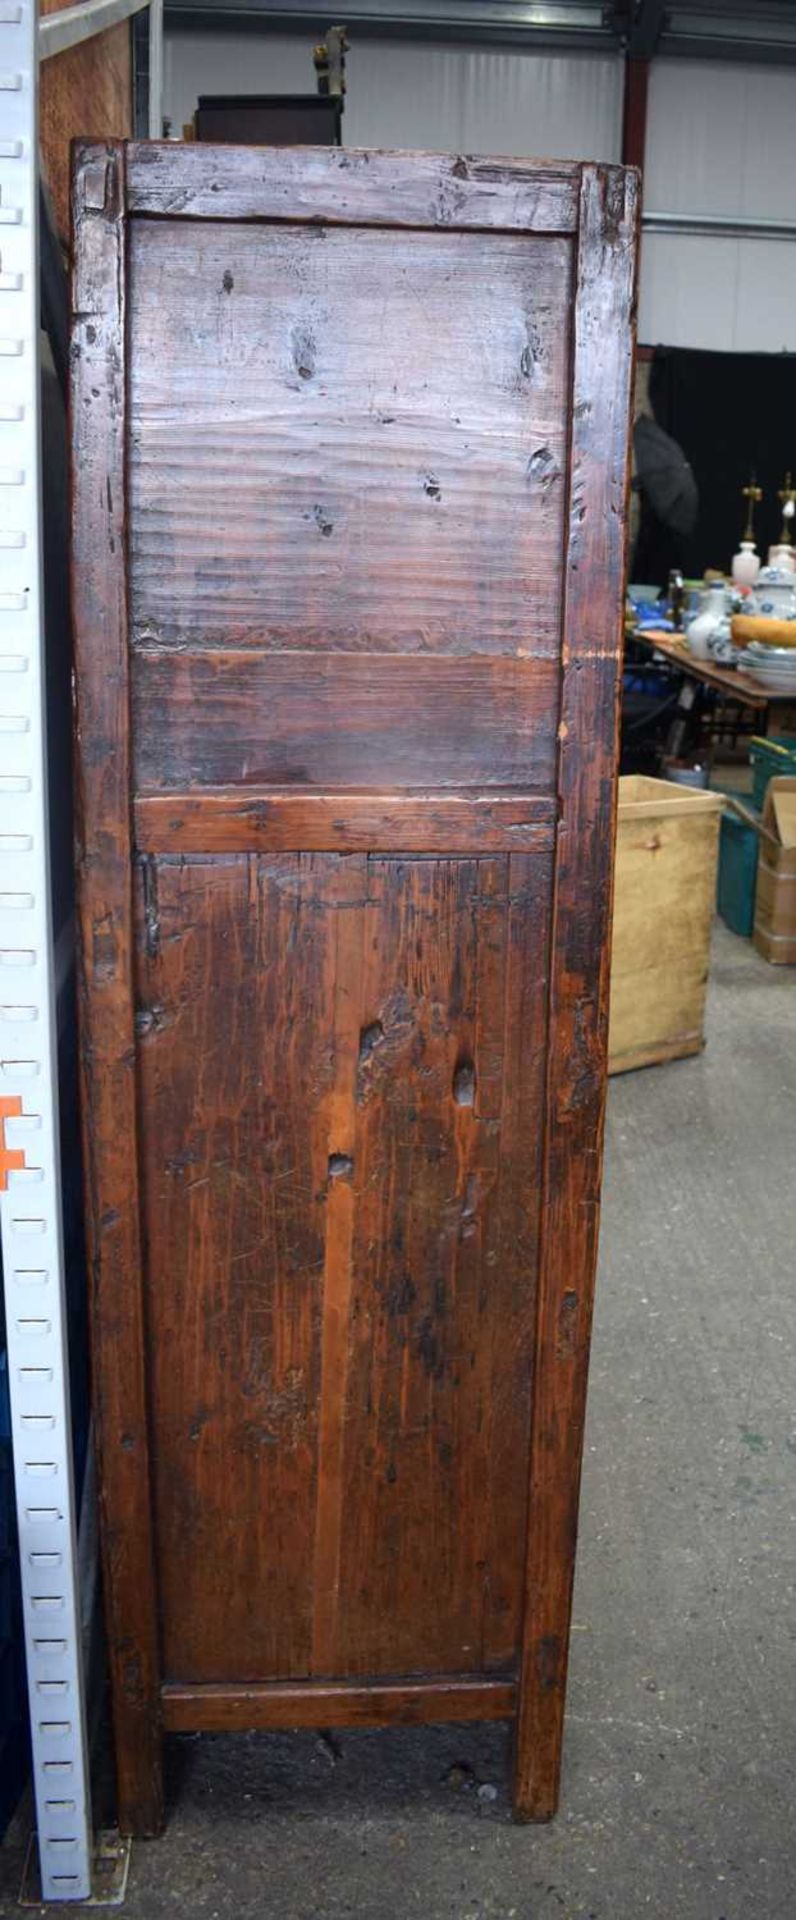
pixel 223 820
pixel 360 443
pixel 341 720
pixel 446 1140
pixel 578 1016
pixel 235 956
pixel 88 92
pixel 105 976
pixel 408 1703
pixel 340 1172
pixel 342 1206
pixel 351 186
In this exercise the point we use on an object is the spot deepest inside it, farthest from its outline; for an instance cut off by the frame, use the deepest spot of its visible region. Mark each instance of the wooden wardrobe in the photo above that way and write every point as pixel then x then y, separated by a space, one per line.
pixel 350 467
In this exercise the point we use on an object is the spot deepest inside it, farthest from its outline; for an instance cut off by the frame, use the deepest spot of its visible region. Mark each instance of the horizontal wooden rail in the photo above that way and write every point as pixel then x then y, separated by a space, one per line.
pixel 348 187
pixel 322 1703
pixel 270 820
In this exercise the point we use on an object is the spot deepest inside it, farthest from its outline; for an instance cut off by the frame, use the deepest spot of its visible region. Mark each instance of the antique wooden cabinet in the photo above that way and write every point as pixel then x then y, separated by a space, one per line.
pixel 350 461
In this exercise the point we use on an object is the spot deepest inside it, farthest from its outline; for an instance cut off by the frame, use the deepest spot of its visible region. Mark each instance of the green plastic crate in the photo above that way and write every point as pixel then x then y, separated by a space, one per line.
pixel 770 757
pixel 738 848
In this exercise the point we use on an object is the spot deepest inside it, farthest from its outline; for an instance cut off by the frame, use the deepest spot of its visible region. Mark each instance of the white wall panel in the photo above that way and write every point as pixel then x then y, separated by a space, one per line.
pixel 721 139
pixel 479 100
pixel 765 302
pixel 688 291
pixel 409 93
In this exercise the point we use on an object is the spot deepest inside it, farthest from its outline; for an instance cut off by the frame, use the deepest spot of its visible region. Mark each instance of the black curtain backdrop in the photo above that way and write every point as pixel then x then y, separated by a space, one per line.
pixel 732 413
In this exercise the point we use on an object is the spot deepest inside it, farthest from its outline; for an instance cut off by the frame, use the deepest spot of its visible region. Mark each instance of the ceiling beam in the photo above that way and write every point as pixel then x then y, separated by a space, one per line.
pixel 695 29
pixel 579 25
pixel 764 32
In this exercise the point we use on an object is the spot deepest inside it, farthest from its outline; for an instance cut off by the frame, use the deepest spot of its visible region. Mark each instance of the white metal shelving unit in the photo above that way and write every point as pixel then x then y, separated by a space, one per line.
pixel 30 1197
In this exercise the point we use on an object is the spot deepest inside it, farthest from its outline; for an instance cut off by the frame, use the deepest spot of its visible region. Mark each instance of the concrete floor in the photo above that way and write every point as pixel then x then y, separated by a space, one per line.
pixel 678 1796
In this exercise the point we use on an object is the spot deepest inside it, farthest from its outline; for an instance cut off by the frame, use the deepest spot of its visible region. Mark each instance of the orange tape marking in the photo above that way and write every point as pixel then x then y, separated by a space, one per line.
pixel 10 1157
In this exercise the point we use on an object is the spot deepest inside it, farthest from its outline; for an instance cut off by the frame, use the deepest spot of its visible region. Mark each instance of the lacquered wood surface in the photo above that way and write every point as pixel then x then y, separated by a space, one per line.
pixel 340 1171
pixel 360 811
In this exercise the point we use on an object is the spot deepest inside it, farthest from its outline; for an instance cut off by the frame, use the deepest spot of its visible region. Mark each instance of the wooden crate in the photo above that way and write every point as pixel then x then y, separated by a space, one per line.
pixel 665 891
pixel 350 460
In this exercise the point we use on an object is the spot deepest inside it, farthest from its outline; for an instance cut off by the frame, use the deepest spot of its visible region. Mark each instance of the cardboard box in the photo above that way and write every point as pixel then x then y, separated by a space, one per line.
pixel 664 895
pixel 775 898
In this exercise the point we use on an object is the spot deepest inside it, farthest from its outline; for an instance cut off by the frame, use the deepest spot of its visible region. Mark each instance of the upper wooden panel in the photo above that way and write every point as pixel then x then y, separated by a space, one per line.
pixel 347 438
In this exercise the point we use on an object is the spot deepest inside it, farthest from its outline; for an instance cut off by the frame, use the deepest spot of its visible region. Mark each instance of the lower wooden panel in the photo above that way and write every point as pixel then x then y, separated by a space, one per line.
pixel 220 1709
pixel 340 1066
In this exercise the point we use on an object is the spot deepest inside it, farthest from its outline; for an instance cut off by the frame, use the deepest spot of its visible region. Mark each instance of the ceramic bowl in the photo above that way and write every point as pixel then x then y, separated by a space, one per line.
pixel 760 651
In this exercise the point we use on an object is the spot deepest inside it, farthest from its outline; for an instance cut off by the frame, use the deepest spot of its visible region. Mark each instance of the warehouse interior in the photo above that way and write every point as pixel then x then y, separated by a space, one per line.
pixel 676 1783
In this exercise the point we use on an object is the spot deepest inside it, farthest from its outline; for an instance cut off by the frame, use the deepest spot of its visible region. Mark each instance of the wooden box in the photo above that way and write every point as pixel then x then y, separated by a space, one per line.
pixel 775 896
pixel 350 467
pixel 664 901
